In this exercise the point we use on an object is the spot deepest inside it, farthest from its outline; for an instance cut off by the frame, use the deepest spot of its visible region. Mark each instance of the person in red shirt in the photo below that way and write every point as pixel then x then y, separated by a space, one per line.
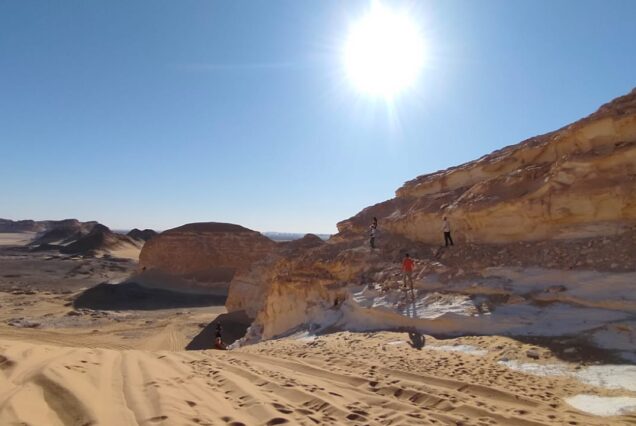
pixel 407 268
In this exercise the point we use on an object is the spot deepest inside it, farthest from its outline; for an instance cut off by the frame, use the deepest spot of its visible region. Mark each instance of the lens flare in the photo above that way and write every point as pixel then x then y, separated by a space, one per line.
pixel 384 52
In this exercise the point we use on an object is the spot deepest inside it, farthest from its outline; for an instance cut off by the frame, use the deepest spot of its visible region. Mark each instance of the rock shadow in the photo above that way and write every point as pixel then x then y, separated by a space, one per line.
pixel 234 325
pixel 132 296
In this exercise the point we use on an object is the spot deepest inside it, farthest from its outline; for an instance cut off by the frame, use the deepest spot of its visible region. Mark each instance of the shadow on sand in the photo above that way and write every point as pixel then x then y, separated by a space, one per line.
pixel 128 296
pixel 234 325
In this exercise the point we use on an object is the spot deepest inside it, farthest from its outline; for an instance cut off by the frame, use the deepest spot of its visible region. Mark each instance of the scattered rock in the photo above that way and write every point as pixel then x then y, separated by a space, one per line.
pixel 22 323
pixel 533 353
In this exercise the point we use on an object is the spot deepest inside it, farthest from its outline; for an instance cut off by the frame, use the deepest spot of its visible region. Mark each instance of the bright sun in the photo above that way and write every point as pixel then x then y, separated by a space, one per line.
pixel 384 52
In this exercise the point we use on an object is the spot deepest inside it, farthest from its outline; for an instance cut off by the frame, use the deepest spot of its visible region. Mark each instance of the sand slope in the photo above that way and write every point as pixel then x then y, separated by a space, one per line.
pixel 343 378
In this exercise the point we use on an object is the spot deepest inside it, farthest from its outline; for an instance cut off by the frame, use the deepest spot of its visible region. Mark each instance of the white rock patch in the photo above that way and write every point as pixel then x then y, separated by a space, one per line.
pixel 602 405
pixel 467 349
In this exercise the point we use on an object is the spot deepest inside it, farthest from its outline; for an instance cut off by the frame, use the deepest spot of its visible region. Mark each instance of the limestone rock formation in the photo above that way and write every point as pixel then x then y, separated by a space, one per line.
pixel 247 289
pixel 205 252
pixel 564 201
pixel 579 181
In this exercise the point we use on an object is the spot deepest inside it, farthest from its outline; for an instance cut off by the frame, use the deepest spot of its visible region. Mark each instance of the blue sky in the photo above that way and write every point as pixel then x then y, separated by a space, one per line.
pixel 158 113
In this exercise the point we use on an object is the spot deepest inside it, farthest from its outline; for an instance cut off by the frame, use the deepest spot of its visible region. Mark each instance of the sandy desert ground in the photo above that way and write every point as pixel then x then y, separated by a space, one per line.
pixel 63 365
pixel 342 378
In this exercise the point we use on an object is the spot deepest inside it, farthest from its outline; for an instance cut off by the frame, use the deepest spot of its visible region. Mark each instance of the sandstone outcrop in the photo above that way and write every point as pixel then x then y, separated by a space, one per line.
pixel 564 201
pixel 579 181
pixel 205 252
pixel 247 289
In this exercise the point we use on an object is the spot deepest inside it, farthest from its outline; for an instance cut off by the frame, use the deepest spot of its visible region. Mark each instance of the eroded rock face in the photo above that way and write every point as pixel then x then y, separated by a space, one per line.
pixel 206 252
pixel 288 288
pixel 579 181
pixel 247 291
pixel 565 201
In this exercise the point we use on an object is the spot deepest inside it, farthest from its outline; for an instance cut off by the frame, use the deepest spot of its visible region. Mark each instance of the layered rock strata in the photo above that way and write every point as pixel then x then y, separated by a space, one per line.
pixel 562 201
pixel 206 252
pixel 579 181
pixel 247 289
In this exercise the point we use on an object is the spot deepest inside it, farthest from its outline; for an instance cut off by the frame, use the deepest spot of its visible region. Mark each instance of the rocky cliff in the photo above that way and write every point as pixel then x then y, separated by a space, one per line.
pixel 247 289
pixel 579 181
pixel 205 252
pixel 564 202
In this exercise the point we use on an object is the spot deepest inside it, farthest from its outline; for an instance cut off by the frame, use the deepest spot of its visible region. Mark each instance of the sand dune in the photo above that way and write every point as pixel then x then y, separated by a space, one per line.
pixel 342 378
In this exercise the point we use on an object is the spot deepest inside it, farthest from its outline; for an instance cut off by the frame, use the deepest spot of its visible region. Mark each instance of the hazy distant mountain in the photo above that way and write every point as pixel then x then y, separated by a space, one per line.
pixel 7 225
pixel 290 236
pixel 144 235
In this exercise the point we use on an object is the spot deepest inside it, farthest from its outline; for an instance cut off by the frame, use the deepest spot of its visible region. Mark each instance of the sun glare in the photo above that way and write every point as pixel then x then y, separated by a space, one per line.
pixel 384 52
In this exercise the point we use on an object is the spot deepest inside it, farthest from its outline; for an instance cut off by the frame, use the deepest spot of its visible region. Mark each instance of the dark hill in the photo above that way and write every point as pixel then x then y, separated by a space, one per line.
pixel 144 235
pixel 64 231
pixel 100 238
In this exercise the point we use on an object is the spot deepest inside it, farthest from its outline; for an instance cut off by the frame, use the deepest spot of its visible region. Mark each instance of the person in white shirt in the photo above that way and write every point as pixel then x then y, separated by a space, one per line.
pixel 447 232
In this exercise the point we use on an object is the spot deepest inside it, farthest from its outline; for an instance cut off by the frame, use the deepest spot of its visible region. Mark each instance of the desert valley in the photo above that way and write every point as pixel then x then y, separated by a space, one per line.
pixel 528 319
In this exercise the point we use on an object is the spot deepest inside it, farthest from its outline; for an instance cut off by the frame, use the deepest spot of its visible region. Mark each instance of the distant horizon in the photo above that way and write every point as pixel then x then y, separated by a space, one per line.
pixel 125 230
pixel 153 115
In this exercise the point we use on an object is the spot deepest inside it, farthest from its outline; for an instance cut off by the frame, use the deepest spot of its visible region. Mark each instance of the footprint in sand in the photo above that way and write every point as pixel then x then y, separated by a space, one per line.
pixel 283 409
pixel 277 421
pixel 355 417
pixel 5 363
pixel 158 419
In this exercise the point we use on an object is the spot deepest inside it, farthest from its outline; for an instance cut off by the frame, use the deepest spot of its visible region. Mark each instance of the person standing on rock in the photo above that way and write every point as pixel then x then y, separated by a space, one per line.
pixel 447 232
pixel 372 233
pixel 407 269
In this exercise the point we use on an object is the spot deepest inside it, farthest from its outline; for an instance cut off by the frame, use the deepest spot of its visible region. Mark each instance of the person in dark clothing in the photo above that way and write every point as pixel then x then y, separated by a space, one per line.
pixel 447 232
pixel 218 340
pixel 372 233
